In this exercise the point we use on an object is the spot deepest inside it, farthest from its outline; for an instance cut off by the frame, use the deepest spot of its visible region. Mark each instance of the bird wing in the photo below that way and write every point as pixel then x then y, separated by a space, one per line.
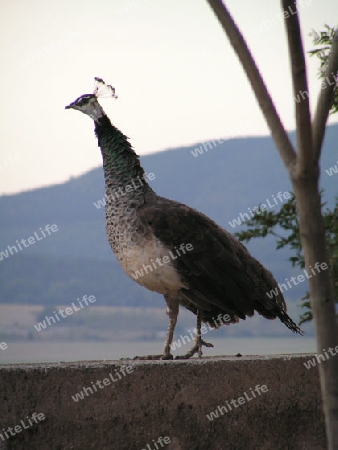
pixel 213 272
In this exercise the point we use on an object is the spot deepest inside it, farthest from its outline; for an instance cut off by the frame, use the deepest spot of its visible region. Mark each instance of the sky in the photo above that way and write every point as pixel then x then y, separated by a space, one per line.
pixel 177 77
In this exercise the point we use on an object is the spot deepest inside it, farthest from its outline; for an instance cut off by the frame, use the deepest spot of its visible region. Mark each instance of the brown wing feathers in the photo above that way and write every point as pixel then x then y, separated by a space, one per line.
pixel 220 274
pixel 212 270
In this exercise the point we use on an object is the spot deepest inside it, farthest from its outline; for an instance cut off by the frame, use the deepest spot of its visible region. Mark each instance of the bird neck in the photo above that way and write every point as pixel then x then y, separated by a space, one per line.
pixel 121 164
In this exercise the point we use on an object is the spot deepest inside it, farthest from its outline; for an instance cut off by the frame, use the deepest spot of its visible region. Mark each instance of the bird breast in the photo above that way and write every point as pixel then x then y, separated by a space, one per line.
pixel 143 257
pixel 148 262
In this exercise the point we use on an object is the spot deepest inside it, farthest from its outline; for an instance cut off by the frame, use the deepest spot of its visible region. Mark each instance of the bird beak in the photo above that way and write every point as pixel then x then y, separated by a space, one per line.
pixel 69 106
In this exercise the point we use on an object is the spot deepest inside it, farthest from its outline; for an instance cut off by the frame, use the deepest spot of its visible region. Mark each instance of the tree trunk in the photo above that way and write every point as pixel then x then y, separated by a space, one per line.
pixel 321 298
pixel 303 169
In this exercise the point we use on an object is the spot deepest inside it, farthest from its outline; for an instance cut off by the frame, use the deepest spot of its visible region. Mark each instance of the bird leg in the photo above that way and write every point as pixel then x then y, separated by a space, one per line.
pixel 197 347
pixel 172 311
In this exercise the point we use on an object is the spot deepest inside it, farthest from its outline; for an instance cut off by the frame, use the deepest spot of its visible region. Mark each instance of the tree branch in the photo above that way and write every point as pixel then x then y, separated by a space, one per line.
pixel 300 87
pixel 312 231
pixel 265 102
pixel 325 99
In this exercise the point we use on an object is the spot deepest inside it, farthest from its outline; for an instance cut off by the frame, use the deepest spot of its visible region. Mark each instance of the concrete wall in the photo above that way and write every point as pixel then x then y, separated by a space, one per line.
pixel 163 398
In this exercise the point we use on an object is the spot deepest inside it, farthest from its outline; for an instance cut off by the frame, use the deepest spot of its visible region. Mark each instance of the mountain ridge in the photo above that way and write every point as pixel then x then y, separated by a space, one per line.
pixel 224 182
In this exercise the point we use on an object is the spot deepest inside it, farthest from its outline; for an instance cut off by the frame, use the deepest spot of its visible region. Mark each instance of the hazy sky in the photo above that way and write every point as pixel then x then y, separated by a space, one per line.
pixel 177 78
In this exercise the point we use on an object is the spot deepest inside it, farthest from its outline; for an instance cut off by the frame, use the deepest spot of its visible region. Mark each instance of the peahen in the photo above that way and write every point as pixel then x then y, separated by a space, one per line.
pixel 173 249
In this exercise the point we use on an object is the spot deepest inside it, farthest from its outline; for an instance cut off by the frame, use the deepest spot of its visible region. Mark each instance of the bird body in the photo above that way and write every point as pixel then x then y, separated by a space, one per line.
pixel 173 249
pixel 126 192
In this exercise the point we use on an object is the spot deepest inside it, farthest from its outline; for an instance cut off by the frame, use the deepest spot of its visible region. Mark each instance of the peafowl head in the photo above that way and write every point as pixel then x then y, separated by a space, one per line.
pixel 88 103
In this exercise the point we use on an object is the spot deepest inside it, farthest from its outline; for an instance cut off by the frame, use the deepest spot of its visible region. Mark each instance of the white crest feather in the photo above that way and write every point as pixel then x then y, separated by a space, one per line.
pixel 101 89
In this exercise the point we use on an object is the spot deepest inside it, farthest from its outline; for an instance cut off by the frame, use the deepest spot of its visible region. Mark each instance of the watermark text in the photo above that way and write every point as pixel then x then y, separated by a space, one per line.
pixel 270 203
pixel 229 405
pixel 121 191
pixel 64 312
pixel 12 431
pixel 296 280
pixel 119 374
pixel 24 243
pixel 160 262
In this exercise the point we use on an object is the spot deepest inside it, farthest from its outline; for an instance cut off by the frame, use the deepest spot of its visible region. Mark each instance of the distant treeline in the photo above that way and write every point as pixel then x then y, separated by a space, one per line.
pixel 51 280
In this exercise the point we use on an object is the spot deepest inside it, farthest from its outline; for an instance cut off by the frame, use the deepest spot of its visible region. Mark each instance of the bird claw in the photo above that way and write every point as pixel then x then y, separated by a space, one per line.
pixel 207 344
pixel 197 348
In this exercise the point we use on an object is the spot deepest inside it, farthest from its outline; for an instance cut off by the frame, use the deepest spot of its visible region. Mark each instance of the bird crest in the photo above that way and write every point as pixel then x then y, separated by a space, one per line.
pixel 101 89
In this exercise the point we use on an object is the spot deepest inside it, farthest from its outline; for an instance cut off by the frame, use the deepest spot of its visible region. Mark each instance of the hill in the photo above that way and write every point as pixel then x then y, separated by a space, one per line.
pixel 222 180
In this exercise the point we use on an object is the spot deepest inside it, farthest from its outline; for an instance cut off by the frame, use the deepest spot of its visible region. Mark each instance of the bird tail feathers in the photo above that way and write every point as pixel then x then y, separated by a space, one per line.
pixel 283 316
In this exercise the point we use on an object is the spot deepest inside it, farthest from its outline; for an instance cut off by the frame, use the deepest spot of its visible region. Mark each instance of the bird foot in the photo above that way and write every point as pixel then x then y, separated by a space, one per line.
pixel 154 357
pixel 197 348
